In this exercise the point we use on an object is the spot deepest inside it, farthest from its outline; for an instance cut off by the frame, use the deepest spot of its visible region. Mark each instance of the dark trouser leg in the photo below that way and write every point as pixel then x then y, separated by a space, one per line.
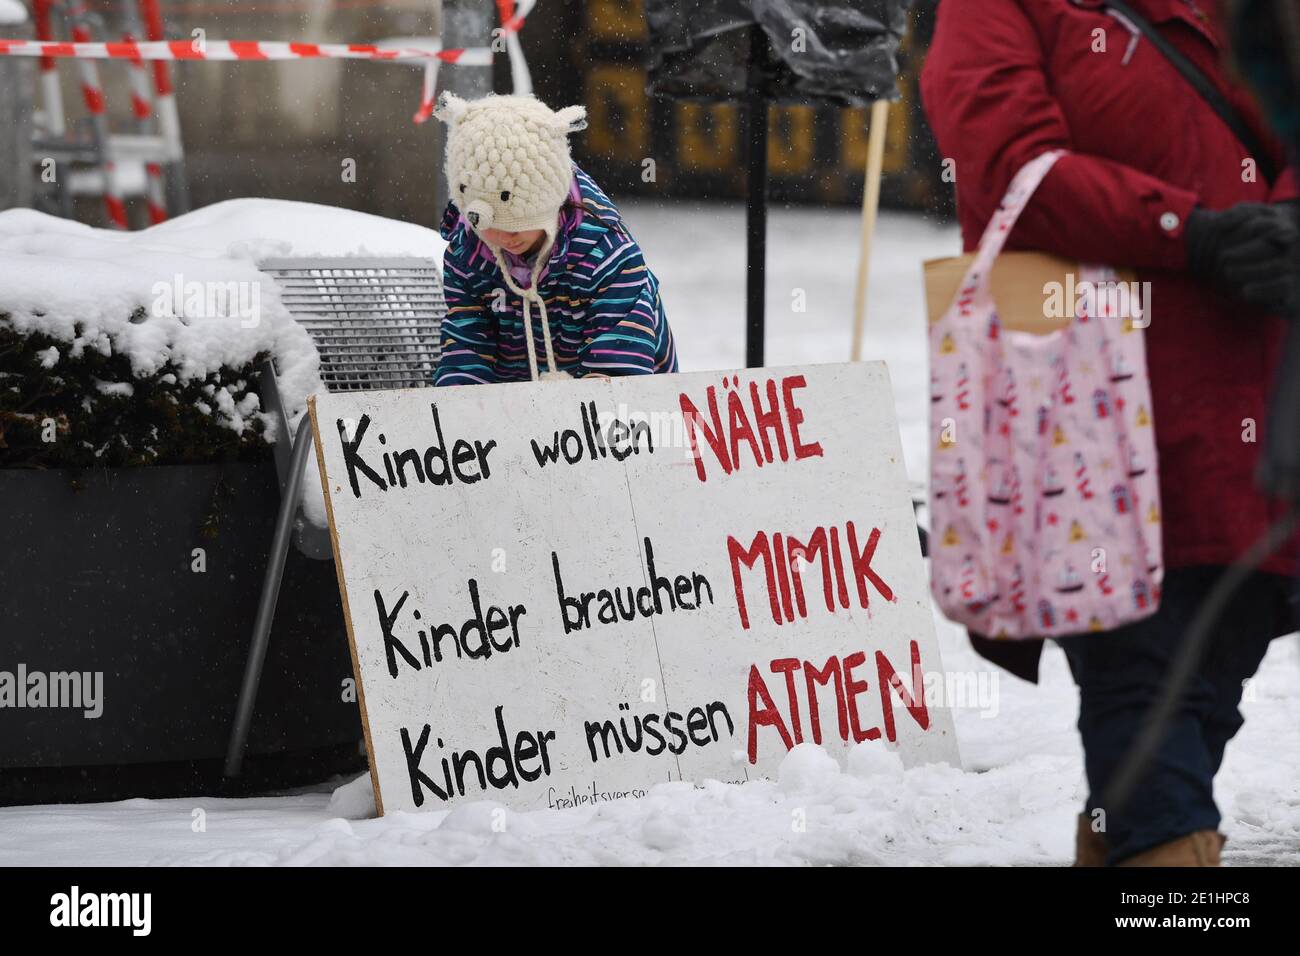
pixel 1120 674
pixel 1233 661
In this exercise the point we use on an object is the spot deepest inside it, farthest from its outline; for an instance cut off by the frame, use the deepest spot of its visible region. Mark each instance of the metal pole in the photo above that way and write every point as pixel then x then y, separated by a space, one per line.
pixel 756 201
pixel 17 91
pixel 51 91
pixel 142 108
pixel 80 21
pixel 302 443
pixel 465 23
pixel 169 120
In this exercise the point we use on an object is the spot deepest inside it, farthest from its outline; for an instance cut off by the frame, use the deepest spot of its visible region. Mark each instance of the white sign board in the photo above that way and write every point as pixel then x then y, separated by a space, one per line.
pixel 563 592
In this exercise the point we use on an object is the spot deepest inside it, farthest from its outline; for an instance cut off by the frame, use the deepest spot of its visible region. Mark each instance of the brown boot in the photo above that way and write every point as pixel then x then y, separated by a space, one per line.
pixel 1089 846
pixel 1201 848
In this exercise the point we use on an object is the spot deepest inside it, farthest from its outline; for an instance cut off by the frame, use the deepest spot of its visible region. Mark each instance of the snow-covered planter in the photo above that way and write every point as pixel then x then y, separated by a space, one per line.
pixel 141 346
pixel 141 585
pixel 139 495
pixel 119 351
pixel 66 405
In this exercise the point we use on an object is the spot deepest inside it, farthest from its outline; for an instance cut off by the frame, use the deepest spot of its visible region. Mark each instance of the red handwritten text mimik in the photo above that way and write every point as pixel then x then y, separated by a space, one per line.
pixel 786 558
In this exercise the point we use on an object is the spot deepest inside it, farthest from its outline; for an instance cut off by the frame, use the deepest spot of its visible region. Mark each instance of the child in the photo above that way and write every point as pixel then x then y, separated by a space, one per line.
pixel 536 251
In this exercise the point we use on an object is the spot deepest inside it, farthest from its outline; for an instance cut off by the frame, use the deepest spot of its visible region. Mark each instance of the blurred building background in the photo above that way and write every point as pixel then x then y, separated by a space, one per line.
pixel 289 130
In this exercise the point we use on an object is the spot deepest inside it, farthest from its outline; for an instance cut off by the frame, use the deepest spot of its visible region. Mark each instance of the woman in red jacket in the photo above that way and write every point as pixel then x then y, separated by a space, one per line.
pixel 1154 180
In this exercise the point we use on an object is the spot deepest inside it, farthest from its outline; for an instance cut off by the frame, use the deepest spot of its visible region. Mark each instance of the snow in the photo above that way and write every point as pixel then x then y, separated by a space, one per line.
pixel 158 270
pixel 113 292
pixel 12 12
pixel 134 293
pixel 256 229
pixel 1014 804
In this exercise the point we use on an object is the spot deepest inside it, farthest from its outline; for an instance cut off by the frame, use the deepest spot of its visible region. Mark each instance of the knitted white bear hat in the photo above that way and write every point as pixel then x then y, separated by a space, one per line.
pixel 508 162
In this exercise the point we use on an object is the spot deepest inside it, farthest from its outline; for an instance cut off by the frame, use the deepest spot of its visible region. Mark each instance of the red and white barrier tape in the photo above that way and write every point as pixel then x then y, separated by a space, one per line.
pixel 169 118
pixel 92 93
pixel 513 13
pixel 214 50
pixel 236 50
pixel 160 52
pixel 142 110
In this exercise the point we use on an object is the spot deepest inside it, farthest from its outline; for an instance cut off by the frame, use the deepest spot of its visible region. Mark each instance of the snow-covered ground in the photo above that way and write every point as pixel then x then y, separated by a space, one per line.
pixel 1013 803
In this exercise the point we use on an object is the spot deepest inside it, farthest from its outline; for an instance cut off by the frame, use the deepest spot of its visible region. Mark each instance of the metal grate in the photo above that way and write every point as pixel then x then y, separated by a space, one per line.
pixel 376 322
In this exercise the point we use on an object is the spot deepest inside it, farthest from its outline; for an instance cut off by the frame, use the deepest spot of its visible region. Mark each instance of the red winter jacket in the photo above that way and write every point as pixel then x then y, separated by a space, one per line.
pixel 1006 80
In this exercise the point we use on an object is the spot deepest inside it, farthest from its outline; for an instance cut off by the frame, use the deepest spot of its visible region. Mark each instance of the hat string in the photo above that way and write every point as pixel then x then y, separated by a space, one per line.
pixel 531 295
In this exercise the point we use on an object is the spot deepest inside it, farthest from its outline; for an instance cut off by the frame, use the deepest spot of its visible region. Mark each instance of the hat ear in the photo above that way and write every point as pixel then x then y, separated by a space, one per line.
pixel 571 119
pixel 451 108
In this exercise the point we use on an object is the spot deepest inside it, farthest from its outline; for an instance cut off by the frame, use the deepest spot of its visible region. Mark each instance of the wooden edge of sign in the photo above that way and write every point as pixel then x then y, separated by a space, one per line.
pixel 343 596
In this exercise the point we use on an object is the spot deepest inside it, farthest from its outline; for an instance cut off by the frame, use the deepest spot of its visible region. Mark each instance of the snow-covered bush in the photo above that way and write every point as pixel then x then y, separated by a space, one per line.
pixel 106 350
pixel 111 353
pixel 79 404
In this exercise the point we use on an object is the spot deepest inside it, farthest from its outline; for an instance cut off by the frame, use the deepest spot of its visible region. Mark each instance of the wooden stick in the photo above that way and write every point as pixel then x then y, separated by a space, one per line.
pixel 870 204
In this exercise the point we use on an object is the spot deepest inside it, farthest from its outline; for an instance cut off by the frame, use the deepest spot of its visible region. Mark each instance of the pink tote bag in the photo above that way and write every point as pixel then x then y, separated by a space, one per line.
pixel 1044 497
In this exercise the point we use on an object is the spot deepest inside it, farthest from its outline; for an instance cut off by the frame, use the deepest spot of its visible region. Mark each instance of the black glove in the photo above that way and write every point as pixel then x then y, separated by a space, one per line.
pixel 1248 251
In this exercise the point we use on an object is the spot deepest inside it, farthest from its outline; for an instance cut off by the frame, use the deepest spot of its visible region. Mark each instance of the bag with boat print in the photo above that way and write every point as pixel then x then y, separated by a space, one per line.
pixel 1045 511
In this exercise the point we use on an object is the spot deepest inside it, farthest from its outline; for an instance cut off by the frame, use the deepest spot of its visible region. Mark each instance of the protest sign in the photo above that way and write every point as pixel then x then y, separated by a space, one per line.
pixel 559 593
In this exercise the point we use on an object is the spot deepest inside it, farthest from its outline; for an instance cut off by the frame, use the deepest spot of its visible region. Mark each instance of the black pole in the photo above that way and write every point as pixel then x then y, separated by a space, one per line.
pixel 756 200
pixel 463 23
pixel 1280 466
pixel 256 660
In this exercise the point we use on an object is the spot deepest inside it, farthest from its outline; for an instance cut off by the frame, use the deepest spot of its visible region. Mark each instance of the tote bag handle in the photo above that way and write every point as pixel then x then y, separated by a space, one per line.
pixel 1022 187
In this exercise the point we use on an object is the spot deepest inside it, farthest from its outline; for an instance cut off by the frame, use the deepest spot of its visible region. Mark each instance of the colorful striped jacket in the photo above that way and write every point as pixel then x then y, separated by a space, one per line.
pixel 603 302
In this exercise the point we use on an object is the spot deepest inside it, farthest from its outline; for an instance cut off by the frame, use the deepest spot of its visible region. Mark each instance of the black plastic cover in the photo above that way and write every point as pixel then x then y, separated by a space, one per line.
pixel 845 51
